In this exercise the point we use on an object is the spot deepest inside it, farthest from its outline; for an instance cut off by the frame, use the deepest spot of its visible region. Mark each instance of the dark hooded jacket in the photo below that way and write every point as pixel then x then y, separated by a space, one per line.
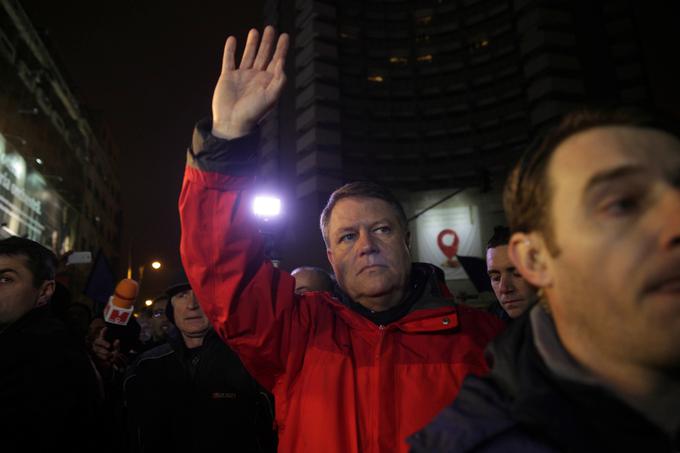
pixel 522 406
pixel 196 400
pixel 50 395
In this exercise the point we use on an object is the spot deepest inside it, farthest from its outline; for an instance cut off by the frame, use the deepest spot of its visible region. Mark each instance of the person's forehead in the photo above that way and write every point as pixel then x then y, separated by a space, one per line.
pixel 598 150
pixel 353 209
pixel 19 263
pixel 497 257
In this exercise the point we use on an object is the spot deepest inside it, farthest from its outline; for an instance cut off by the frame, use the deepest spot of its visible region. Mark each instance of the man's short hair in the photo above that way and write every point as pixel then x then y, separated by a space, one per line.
pixel 361 189
pixel 501 236
pixel 527 193
pixel 40 260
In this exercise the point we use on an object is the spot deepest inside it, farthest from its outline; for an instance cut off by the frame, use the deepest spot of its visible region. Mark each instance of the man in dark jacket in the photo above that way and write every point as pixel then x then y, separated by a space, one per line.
pixel 49 393
pixel 595 366
pixel 192 394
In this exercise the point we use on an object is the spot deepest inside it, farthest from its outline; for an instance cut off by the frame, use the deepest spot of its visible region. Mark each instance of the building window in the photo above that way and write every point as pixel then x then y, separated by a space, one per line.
pixel 376 78
pixel 427 58
pixel 398 60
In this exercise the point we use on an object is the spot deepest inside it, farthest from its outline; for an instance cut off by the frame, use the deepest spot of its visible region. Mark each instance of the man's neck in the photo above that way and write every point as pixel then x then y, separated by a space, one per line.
pixel 383 302
pixel 192 342
pixel 652 392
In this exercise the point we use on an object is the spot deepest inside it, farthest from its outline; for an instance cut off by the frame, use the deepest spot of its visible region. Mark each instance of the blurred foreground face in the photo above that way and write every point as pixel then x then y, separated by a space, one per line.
pixel 17 294
pixel 512 291
pixel 368 248
pixel 189 318
pixel 159 321
pixel 615 282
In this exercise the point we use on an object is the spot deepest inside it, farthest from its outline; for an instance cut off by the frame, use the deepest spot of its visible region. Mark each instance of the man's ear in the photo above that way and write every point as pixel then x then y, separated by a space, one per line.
pixel 46 291
pixel 329 255
pixel 407 238
pixel 529 254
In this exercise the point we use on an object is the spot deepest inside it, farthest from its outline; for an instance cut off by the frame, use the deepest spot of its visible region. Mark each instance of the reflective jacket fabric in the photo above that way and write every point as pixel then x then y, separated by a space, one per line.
pixel 341 383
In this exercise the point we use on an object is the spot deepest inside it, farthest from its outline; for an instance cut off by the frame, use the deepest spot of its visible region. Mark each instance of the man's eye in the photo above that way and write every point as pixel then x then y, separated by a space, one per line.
pixel 347 237
pixel 621 206
pixel 495 278
pixel 5 280
pixel 383 229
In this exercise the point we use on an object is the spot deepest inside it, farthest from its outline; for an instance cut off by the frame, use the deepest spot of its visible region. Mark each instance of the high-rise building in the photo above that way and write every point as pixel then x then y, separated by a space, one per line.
pixel 59 182
pixel 433 96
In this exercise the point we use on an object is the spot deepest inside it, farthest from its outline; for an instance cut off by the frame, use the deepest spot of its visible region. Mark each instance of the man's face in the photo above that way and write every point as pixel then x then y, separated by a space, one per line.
pixel 17 294
pixel 368 249
pixel 159 321
pixel 189 318
pixel 615 284
pixel 512 291
pixel 310 280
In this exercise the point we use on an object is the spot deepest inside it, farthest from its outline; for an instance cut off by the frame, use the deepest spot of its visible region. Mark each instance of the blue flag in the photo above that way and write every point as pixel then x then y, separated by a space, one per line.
pixel 101 283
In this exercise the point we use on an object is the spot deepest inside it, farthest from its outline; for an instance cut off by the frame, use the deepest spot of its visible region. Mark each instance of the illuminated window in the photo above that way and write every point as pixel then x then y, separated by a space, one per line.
pixel 425 58
pixel 398 60
pixel 376 78
pixel 424 20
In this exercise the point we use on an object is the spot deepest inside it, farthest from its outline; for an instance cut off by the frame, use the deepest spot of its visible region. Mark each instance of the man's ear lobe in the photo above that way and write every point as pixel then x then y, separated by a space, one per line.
pixel 407 238
pixel 329 255
pixel 46 291
pixel 528 253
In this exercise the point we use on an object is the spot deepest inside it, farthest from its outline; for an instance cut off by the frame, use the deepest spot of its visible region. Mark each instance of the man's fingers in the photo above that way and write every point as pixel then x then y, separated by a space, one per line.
pixel 228 59
pixel 280 53
pixel 251 50
pixel 278 81
pixel 265 50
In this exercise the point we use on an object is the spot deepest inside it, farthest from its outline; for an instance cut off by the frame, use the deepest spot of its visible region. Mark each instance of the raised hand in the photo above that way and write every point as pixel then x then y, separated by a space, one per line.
pixel 243 96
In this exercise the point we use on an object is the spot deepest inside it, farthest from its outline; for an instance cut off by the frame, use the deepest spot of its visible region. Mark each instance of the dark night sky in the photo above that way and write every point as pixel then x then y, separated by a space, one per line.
pixel 149 67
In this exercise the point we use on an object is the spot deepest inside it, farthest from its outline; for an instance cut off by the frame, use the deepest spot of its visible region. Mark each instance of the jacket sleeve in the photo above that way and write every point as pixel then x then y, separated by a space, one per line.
pixel 251 304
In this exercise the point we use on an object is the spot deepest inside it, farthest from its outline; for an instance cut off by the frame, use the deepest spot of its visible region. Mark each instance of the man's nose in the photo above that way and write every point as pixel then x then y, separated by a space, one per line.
pixel 193 302
pixel 506 284
pixel 668 218
pixel 367 244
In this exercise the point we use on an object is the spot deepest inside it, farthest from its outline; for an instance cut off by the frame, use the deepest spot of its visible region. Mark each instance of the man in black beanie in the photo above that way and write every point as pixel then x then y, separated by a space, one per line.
pixel 192 394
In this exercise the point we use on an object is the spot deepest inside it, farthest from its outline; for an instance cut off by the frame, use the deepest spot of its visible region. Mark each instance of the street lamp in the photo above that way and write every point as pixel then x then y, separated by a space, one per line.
pixel 156 265
pixel 267 208
pixel 148 302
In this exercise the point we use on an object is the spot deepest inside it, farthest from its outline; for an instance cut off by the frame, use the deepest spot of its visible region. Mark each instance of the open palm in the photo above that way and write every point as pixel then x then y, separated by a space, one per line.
pixel 244 95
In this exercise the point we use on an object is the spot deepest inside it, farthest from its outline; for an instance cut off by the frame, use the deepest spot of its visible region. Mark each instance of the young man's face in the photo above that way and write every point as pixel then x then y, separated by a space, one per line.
pixel 368 248
pixel 17 294
pixel 512 291
pixel 614 284
pixel 189 318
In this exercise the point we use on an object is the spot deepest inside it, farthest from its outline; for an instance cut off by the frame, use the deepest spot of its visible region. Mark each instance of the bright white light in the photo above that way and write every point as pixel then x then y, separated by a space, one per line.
pixel 156 265
pixel 38 161
pixel 266 206
pixel 148 302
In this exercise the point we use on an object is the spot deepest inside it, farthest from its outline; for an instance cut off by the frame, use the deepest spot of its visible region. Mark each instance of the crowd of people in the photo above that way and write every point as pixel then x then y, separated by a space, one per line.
pixel 376 356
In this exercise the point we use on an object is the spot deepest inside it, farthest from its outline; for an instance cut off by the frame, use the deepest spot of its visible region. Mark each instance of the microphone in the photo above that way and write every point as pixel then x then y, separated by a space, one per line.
pixel 121 303
pixel 118 315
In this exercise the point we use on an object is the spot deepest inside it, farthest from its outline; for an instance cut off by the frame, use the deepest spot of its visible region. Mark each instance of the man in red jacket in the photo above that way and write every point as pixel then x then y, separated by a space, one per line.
pixel 358 370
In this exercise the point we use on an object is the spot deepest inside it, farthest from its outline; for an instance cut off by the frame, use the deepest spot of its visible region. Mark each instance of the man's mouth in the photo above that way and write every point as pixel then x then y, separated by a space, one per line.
pixel 369 267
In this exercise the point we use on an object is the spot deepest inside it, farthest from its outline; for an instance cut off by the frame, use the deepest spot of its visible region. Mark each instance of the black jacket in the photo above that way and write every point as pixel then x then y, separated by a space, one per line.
pixel 196 401
pixel 523 407
pixel 50 396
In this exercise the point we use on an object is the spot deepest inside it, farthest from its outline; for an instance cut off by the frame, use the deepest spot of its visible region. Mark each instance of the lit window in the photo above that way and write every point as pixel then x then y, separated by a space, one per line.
pixel 376 78
pixel 424 20
pixel 398 60
pixel 425 58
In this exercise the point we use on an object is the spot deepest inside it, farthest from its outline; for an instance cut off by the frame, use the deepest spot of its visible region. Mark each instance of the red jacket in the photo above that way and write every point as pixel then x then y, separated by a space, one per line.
pixel 341 383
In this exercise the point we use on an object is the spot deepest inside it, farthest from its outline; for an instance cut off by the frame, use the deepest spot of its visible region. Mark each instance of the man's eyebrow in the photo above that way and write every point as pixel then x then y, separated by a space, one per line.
pixel 8 269
pixel 613 174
